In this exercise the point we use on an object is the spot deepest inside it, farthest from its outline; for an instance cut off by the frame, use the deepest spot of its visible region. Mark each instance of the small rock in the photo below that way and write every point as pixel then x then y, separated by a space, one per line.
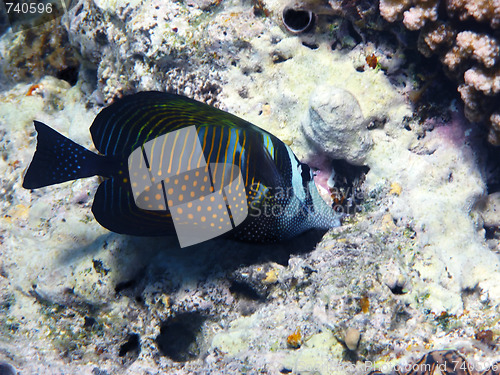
pixel 335 125
pixel 491 212
pixel 352 338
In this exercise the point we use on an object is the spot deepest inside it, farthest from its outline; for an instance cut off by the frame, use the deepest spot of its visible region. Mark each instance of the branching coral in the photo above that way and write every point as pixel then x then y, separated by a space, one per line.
pixel 480 10
pixel 465 36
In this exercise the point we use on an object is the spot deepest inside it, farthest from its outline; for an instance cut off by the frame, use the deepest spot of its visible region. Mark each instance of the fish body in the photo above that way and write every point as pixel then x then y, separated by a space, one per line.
pixel 157 150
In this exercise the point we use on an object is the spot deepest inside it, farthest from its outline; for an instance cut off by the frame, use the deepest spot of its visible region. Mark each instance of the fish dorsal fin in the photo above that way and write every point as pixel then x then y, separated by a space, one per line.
pixel 136 119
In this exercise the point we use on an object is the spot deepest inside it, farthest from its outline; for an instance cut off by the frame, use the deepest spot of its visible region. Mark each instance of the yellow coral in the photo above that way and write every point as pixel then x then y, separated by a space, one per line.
pixel 364 304
pixel 294 340
pixel 271 277
pixel 395 189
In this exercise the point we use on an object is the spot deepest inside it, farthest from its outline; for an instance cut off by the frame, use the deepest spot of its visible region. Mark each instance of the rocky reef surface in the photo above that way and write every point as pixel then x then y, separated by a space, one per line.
pixel 413 268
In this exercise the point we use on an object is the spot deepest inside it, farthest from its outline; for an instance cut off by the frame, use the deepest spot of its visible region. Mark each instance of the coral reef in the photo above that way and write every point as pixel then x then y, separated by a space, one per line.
pixel 464 34
pixel 415 271
pixel 37 52
pixel 491 209
pixel 162 46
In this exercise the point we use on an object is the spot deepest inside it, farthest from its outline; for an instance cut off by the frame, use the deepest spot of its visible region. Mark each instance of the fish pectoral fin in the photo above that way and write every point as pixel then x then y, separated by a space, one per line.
pixel 115 209
pixel 266 170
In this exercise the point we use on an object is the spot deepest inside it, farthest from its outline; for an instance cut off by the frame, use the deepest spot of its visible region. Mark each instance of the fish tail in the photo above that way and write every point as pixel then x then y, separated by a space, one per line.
pixel 58 159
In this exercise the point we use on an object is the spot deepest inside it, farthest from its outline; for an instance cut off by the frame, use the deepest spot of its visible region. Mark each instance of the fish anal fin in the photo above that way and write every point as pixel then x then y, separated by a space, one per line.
pixel 114 208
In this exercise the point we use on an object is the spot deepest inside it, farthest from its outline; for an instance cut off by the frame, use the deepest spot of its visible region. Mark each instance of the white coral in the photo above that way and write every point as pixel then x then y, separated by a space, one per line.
pixel 470 98
pixel 481 47
pixel 391 9
pixel 494 136
pixel 438 36
pixel 495 121
pixel 489 84
pixel 480 10
pixel 416 17
pixel 453 58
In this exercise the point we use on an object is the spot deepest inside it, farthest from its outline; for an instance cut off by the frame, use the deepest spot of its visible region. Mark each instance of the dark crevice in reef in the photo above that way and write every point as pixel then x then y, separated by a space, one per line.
pixel 312 46
pixel 177 338
pixel 244 291
pixel 347 194
pixel 348 174
pixel 435 93
pixel 89 322
pixel 492 168
pixel 69 74
pixel 125 285
pixel 132 345
pixel 132 285
pixel 492 179
pixel 491 233
pixel 397 289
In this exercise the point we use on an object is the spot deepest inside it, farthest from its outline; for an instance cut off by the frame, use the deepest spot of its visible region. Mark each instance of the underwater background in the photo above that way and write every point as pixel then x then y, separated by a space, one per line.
pixel 394 104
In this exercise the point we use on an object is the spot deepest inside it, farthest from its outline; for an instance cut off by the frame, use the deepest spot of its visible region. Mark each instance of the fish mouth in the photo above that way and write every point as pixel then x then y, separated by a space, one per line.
pixel 339 183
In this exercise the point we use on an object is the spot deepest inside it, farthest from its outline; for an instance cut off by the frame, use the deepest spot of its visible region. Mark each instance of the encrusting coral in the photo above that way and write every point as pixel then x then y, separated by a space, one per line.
pixel 465 36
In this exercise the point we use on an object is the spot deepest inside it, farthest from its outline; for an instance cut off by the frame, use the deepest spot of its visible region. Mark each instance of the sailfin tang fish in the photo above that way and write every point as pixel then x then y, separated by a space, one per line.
pixel 171 161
